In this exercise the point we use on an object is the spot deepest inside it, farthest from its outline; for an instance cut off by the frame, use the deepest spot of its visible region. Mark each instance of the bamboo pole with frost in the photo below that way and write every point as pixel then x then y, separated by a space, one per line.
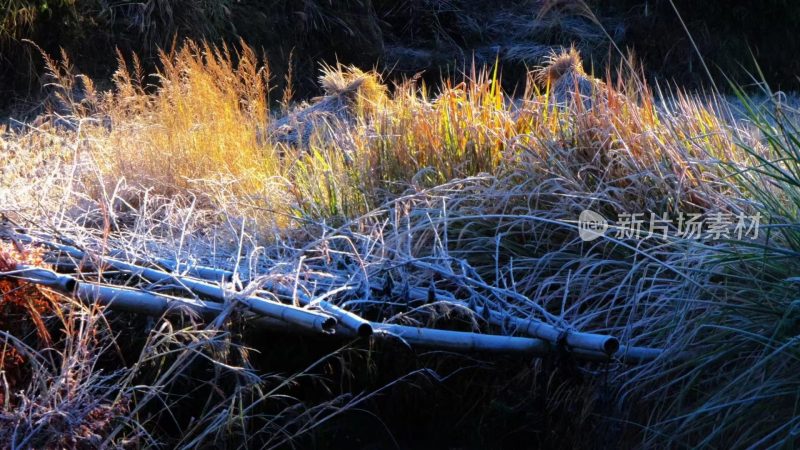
pixel 585 345
pixel 126 299
pixel 157 304
pixel 359 325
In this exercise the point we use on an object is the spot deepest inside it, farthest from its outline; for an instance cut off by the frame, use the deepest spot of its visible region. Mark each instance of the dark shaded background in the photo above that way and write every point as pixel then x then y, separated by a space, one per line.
pixel 404 37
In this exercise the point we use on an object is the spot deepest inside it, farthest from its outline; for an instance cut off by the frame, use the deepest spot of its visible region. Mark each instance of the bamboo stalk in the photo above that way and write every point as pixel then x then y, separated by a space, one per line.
pixel 543 336
pixel 196 270
pixel 136 301
pixel 352 321
pixel 130 300
pixel 538 329
pixel 44 277
pixel 349 320
pixel 361 326
pixel 575 339
pixel 465 341
pixel 321 322
pixel 287 313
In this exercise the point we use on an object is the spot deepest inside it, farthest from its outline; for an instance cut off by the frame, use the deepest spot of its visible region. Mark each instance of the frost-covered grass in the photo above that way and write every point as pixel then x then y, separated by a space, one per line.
pixel 461 191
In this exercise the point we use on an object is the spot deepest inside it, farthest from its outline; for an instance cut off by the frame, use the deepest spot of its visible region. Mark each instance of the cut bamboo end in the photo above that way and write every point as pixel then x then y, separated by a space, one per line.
pixel 347 319
pixel 44 277
pixel 365 330
pixel 608 345
pixel 292 314
pixel 327 325
pixel 611 345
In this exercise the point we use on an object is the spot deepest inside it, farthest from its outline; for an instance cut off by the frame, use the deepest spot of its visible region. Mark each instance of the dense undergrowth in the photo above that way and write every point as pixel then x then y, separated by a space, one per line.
pixel 463 191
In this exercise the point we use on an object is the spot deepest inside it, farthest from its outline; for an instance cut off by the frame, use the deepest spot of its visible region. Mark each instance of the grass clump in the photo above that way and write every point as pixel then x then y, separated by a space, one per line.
pixel 203 120
pixel 739 388
pixel 417 206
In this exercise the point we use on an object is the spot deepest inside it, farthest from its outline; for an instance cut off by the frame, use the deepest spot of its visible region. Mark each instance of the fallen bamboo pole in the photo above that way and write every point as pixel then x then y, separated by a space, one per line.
pixel 130 300
pixel 67 284
pixel 288 313
pixel 195 270
pixel 257 304
pixel 465 341
pixel 354 322
pixel 361 326
pixel 192 270
pixel 349 320
pixel 134 301
pixel 120 298
pixel 535 328
pixel 588 345
pixel 468 341
pixel 608 345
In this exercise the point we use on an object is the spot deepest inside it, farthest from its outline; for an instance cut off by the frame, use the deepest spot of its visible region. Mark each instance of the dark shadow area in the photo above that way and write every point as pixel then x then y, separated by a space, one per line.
pixel 437 38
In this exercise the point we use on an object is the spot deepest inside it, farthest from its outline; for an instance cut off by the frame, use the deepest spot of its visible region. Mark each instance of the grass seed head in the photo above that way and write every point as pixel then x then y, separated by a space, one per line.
pixel 559 64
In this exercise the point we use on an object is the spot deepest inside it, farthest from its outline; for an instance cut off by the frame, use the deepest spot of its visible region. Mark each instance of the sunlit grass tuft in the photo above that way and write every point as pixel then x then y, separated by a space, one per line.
pixel 201 121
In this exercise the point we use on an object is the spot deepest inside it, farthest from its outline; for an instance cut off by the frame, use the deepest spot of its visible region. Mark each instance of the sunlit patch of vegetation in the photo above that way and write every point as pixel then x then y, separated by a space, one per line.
pixel 464 191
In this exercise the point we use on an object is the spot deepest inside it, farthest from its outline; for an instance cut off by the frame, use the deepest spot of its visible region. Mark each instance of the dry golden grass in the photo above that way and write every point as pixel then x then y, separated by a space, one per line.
pixel 201 122
pixel 558 65
pixel 493 185
pixel 201 130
